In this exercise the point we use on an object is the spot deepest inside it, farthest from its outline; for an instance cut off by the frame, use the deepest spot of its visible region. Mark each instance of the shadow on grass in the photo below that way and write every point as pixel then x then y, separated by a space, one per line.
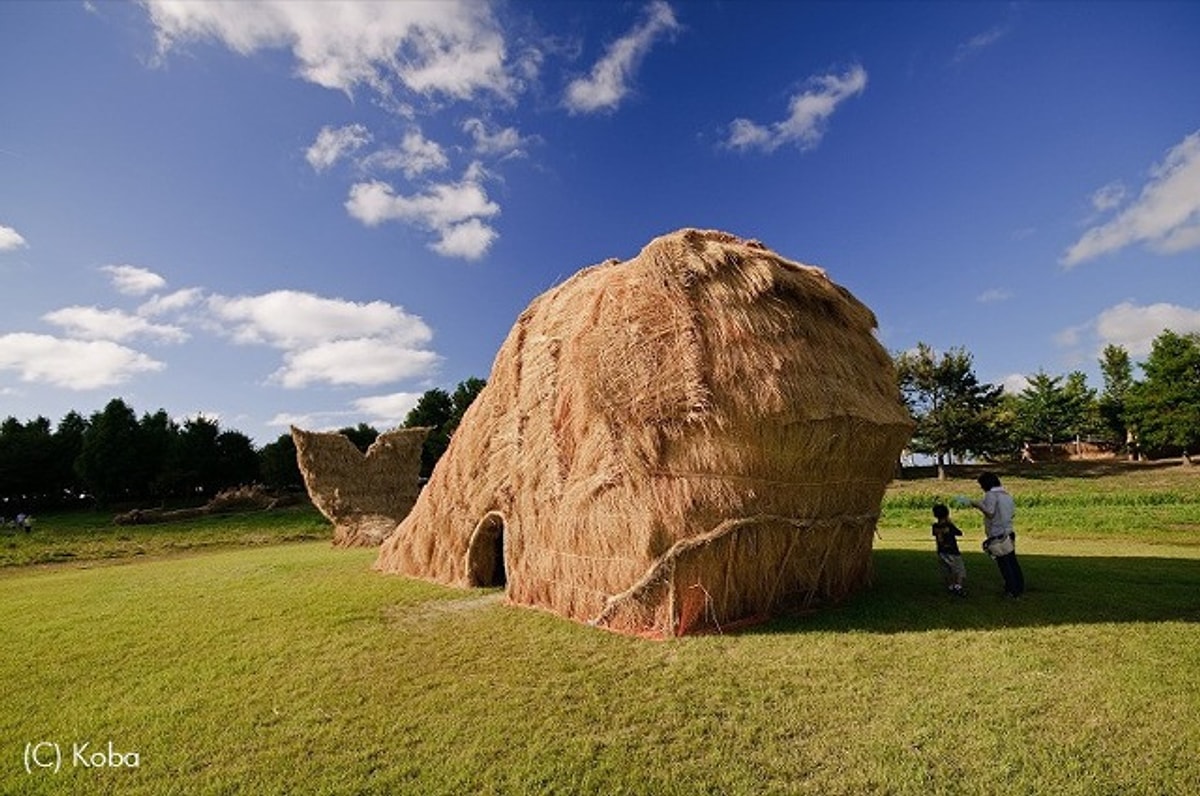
pixel 907 595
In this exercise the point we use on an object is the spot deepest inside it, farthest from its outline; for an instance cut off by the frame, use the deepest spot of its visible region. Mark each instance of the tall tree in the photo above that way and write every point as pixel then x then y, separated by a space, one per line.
pixel 1117 370
pixel 948 402
pixel 464 395
pixel 1053 410
pixel 1166 405
pixel 1083 415
pixel 278 465
pixel 68 443
pixel 156 468
pixel 237 460
pixel 196 457
pixel 26 464
pixel 107 461
pixel 442 412
pixel 434 409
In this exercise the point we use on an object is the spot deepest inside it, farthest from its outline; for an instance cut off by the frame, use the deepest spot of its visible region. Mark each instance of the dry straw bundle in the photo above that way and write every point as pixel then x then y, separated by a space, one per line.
pixel 699 435
pixel 364 496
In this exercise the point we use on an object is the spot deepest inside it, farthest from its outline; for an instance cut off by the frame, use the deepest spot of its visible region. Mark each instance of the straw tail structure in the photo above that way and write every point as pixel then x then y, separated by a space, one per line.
pixel 694 437
pixel 363 495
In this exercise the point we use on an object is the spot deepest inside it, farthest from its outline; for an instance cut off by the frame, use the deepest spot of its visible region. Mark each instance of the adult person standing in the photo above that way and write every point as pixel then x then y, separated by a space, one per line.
pixel 998 509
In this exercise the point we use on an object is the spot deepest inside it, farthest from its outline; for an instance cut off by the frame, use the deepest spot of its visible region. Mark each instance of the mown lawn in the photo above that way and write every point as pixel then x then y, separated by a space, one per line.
pixel 84 536
pixel 293 668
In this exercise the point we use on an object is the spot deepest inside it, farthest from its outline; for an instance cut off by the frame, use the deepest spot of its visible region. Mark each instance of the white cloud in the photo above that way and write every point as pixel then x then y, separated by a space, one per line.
pixel 93 323
pixel 290 319
pixel 808 115
pixel 1135 327
pixel 453 210
pixel 72 364
pixel 1166 216
pixel 388 410
pixel 365 361
pixel 329 340
pixel 608 83
pixel 172 302
pixel 453 47
pixel 10 239
pixel 469 240
pixel 333 144
pixel 415 156
pixel 1108 197
pixel 132 280
pixel 506 142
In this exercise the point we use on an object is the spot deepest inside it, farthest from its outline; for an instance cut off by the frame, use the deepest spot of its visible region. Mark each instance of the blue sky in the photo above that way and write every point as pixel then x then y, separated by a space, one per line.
pixel 279 212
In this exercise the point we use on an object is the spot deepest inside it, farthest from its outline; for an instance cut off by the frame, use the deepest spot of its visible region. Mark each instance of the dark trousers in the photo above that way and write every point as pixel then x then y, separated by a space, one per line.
pixel 1010 570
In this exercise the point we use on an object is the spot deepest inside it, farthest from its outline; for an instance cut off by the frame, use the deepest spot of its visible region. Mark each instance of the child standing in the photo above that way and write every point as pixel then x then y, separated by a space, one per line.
pixel 954 571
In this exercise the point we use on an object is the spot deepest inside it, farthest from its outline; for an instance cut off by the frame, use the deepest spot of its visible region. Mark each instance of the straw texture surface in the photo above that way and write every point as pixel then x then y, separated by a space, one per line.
pixel 363 495
pixel 671 444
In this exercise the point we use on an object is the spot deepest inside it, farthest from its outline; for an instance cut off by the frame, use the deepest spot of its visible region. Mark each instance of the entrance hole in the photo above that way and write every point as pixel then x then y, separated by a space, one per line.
pixel 485 553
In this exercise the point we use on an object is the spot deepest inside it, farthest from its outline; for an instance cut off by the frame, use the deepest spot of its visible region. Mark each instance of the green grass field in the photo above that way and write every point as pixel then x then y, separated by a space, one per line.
pixel 253 664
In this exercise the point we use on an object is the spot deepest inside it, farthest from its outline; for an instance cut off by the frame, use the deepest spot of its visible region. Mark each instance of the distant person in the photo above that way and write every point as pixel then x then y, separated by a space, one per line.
pixel 954 571
pixel 24 523
pixel 998 510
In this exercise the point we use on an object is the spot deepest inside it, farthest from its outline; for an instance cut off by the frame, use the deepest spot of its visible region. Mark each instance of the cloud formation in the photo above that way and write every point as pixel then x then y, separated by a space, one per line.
pixel 1165 217
pixel 415 156
pixel 133 281
pixel 10 239
pixel 455 211
pixel 382 411
pixel 608 83
pixel 93 323
pixel 329 341
pixel 504 143
pixel 451 48
pixel 808 114
pixel 1134 327
pixel 333 144
pixel 72 364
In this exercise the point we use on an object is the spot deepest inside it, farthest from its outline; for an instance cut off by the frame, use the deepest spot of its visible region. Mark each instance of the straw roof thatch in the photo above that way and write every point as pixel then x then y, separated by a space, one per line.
pixel 364 496
pixel 699 435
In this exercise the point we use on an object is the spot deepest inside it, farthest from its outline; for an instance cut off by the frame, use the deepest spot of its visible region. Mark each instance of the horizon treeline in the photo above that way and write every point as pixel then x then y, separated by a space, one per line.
pixel 959 418
pixel 115 458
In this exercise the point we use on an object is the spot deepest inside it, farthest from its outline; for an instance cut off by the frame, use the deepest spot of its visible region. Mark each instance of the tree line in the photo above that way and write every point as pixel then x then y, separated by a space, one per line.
pixel 958 417
pixel 115 458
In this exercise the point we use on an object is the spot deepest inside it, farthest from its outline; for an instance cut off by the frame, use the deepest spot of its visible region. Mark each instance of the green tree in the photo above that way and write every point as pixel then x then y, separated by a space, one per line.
pixel 156 467
pixel 951 407
pixel 1083 414
pixel 107 461
pixel 442 412
pixel 278 466
pixel 26 464
pixel 1053 409
pixel 1165 406
pixel 1117 370
pixel 361 435
pixel 237 461
pixel 196 458
pixel 434 410
pixel 464 395
pixel 68 443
